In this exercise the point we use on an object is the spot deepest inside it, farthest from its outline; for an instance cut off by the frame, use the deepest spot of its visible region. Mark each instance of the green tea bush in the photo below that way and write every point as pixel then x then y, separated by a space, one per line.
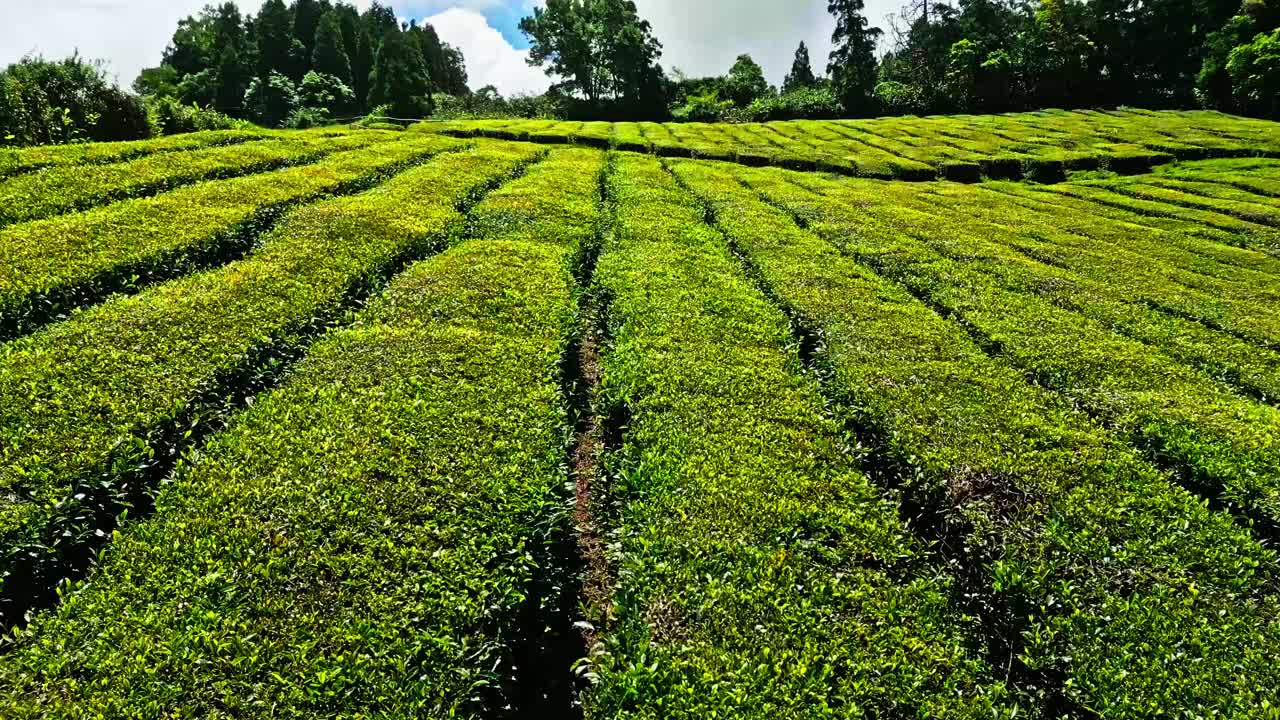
pixel 1095 569
pixel 25 160
pixel 53 191
pixel 1042 146
pixel 759 574
pixel 363 540
pixel 112 408
pixel 1225 443
pixel 51 267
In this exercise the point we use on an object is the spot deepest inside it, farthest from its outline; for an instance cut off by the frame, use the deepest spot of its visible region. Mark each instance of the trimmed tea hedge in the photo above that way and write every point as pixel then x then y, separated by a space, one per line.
pixel 90 407
pixel 16 162
pixel 1224 443
pixel 758 573
pixel 1102 572
pixel 360 542
pixel 54 266
pixel 1201 302
pixel 1040 146
pixel 77 187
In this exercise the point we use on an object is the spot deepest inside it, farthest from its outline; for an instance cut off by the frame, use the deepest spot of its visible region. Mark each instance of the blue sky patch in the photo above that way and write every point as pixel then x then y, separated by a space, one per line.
pixel 503 15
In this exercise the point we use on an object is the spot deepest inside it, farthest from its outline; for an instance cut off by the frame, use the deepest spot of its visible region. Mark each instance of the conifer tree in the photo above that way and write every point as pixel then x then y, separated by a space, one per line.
pixel 399 78
pixel 852 64
pixel 330 56
pixel 801 75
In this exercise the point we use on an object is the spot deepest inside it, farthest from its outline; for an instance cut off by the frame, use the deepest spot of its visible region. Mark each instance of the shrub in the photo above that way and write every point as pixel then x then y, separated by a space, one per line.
pixel 325 94
pixel 272 100
pixel 804 103
pixel 379 451
pixel 44 102
pixel 1255 76
pixel 53 270
pixel 66 189
pixel 759 573
pixel 205 334
pixel 703 108
pixel 304 118
pixel 1069 539
pixel 897 98
pixel 168 116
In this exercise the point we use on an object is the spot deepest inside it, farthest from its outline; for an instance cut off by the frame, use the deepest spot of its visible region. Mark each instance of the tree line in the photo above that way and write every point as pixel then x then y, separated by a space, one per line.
pixel 973 56
pixel 315 61
pixel 305 63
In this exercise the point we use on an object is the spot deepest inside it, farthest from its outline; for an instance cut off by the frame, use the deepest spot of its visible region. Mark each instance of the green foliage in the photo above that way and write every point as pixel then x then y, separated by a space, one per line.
pixel 330 56
pixel 600 49
pixel 745 82
pixel 157 82
pixel 747 542
pixel 813 102
pixel 954 449
pixel 1254 70
pixel 26 160
pixel 325 93
pixel 362 66
pixel 269 101
pixel 274 39
pixel 1044 147
pixel 703 108
pixel 445 63
pixel 50 270
pixel 217 56
pixel 307 15
pixel 852 65
pixel 1096 561
pixel 167 116
pixel 895 98
pixel 400 79
pixel 801 75
pixel 53 191
pixel 43 102
pixel 401 535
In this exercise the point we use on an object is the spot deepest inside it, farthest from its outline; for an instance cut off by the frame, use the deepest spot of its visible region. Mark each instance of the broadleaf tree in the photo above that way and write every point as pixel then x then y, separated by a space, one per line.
pixel 601 50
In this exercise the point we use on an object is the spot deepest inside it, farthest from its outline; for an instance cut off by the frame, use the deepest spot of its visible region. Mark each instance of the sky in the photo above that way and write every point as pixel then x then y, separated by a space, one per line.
pixel 700 37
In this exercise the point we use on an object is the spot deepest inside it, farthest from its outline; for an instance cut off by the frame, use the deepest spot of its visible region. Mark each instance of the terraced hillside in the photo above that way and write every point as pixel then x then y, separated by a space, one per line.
pixel 1041 146
pixel 388 425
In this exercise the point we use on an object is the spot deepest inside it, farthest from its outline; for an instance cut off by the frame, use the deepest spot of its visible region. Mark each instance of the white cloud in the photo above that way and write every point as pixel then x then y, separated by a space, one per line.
pixel 491 60
pixel 128 34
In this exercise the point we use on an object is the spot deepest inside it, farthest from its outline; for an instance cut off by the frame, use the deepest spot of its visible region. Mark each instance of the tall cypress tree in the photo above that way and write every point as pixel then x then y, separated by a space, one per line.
pixel 380 20
pixel 275 38
pixel 433 53
pixel 229 43
pixel 455 82
pixel 362 67
pixel 306 19
pixel 330 55
pixel 801 75
pixel 350 19
pixel 400 79
pixel 852 64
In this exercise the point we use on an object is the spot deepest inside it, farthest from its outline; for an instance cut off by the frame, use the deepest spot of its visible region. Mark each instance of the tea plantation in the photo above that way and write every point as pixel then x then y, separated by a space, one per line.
pixel 963 417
